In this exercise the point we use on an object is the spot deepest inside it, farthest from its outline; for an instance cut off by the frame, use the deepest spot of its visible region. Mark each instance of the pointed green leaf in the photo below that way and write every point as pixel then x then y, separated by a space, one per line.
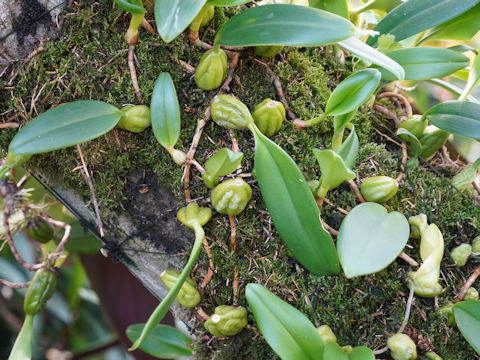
pixel 340 121
pixel 227 2
pixel 131 6
pixel 339 7
pixel 333 351
pixel 467 317
pixel 414 145
pixel 333 168
pixel 365 52
pixel 426 63
pixel 293 208
pixel 369 230
pixel 352 92
pixel 174 16
pixel 64 126
pixel 225 161
pixel 349 149
pixel 288 332
pixel 284 25
pixel 473 77
pixel 361 353
pixel 456 117
pixel 163 342
pixel 23 346
pixel 452 88
pixel 165 111
pixel 415 16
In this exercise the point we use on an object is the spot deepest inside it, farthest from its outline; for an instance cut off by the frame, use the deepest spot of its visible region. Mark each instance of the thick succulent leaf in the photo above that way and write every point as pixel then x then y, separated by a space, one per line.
pixel 361 353
pixel 414 145
pixel 284 25
pixel 174 16
pixel 456 117
pixel 369 230
pixel 163 342
pixel 333 351
pixel 132 6
pixel 165 111
pixel 288 332
pixel 223 162
pixel 426 63
pixel 64 126
pixel 339 7
pixel 352 92
pixel 467 317
pixel 293 208
pixel 23 346
pixel 333 168
pixel 349 148
pixel 227 2
pixel 415 16
pixel 365 52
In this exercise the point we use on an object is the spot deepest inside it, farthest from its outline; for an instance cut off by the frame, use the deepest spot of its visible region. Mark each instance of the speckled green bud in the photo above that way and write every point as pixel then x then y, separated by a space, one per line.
pixel 432 141
pixel 135 118
pixel 39 291
pixel 267 51
pixel 269 116
pixel 415 124
pixel 418 223
pixel 447 311
pixel 402 347
pixel 476 245
pixel 326 334
pixel 461 253
pixel 227 321
pixel 379 188
pixel 188 295
pixel 40 231
pixel 471 294
pixel 192 214
pixel 212 69
pixel 230 112
pixel 231 196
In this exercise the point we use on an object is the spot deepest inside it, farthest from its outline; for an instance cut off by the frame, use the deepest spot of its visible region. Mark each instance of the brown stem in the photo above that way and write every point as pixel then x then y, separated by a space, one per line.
pixel 14 285
pixel 408 259
pixel 328 228
pixel 66 235
pixel 208 277
pixel 201 314
pixel 233 248
pixel 354 187
pixel 229 50
pixel 146 26
pixel 403 166
pixel 133 73
pixel 403 99
pixel 468 284
pixel 231 70
pixel 387 112
pixel 343 211
pixel 10 125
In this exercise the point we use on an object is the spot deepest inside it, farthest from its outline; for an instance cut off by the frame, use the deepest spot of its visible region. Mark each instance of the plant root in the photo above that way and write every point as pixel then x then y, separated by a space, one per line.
pixel 133 73
pixel 468 284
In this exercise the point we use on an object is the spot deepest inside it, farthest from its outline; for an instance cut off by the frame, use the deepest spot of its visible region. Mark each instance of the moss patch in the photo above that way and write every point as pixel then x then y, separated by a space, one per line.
pixel 89 62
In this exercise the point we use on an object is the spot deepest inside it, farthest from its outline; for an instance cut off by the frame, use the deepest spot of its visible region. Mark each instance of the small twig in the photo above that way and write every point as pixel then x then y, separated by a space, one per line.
pixel 343 211
pixel 468 284
pixel 387 112
pixel 11 125
pixel 328 228
pixel 147 27
pixel 403 166
pixel 199 167
pixel 202 313
pixel 407 310
pixel 14 285
pixel 208 277
pixel 354 187
pixel 92 190
pixel 403 99
pixel 408 259
pixel 233 248
pixel 33 53
pixel 133 73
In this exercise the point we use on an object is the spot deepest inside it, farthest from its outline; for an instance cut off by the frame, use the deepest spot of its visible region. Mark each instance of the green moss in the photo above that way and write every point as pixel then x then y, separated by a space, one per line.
pixel 89 62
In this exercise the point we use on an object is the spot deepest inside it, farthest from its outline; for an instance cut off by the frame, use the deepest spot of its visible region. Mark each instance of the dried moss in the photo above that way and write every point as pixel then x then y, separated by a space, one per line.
pixel 89 62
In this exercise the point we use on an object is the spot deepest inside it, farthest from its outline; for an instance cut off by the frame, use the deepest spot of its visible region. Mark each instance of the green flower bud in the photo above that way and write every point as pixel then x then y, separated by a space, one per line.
pixel 447 311
pixel 212 69
pixel 476 245
pixel 379 188
pixel 231 196
pixel 432 356
pixel 39 291
pixel 461 253
pixel 230 112
pixel 40 231
pixel 432 141
pixel 402 347
pixel 267 51
pixel 192 213
pixel 227 321
pixel 269 116
pixel 418 223
pixel 415 124
pixel 471 294
pixel 188 295
pixel 326 334
pixel 135 118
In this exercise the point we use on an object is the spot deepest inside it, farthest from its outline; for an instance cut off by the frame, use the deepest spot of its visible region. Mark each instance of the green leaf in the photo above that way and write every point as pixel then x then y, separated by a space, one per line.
pixel 361 353
pixel 332 351
pixel 284 25
pixel 333 168
pixel 165 111
pixel 339 7
pixel 414 145
pixel 349 149
pixel 415 16
pixel 163 342
pixel 473 78
pixel 462 27
pixel 340 121
pixel 227 2
pixel 352 92
pixel 467 317
pixel 368 53
pixel 23 347
pixel 174 16
pixel 64 126
pixel 132 6
pixel 225 161
pixel 456 117
pixel 426 63
pixel 367 231
pixel 288 332
pixel 293 208
pixel 452 88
